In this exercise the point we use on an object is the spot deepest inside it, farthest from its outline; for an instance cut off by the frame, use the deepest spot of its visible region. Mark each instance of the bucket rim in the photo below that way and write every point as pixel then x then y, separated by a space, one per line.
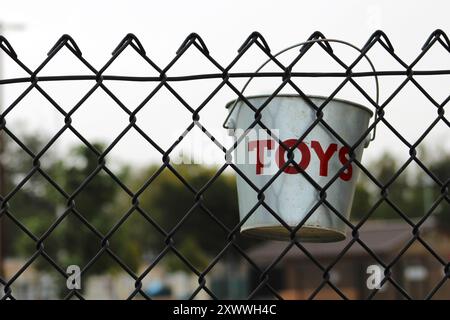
pixel 287 95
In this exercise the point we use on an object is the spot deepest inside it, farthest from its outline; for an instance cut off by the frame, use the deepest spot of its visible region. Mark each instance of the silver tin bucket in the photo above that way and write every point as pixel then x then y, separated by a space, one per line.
pixel 320 154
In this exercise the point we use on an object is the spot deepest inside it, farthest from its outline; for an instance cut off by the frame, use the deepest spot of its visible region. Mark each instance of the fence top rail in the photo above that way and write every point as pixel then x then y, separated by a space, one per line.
pixel 195 41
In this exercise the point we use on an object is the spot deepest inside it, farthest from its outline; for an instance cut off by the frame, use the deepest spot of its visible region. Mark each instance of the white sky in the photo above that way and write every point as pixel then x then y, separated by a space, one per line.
pixel 98 26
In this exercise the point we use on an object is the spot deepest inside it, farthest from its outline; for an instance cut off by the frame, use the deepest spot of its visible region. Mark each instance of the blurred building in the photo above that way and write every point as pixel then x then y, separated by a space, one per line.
pixel 295 276
pixel 417 270
pixel 31 284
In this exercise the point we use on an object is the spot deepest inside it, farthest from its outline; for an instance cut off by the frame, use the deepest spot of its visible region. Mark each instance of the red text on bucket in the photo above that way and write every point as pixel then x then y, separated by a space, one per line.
pixel 323 155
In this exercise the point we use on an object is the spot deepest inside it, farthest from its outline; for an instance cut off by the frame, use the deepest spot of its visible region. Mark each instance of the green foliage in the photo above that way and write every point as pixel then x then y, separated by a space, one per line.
pixel 361 202
pixel 190 249
pixel 38 205
pixel 72 241
pixel 441 169
pixel 30 205
pixel 169 202
pixel 412 192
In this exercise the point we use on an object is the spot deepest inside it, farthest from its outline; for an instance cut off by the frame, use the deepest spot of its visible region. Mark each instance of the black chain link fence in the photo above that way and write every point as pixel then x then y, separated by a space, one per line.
pixel 287 75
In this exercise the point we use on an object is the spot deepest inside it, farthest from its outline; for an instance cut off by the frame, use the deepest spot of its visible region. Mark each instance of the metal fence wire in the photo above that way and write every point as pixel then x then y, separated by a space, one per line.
pixel 195 42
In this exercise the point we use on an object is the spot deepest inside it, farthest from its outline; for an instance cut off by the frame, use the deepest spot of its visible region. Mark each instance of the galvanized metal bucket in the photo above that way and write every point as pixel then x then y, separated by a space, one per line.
pixel 291 195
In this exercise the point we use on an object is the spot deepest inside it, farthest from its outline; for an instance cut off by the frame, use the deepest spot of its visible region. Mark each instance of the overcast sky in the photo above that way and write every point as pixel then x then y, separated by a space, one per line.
pixel 98 26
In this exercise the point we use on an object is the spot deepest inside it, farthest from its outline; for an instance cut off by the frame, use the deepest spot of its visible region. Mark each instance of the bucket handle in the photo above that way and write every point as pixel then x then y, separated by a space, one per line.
pixel 377 85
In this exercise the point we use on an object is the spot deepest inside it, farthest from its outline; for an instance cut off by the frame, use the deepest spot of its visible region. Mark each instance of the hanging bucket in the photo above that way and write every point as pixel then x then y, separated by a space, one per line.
pixel 320 154
pixel 292 195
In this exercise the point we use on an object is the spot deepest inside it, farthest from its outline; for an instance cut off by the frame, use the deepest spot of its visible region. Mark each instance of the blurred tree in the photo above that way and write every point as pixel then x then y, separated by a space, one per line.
pixel 403 191
pixel 361 202
pixel 29 205
pixel 441 169
pixel 37 205
pixel 413 192
pixel 72 241
pixel 167 200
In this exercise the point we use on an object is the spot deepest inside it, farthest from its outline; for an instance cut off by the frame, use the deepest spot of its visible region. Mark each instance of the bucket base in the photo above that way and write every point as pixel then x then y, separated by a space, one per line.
pixel 304 234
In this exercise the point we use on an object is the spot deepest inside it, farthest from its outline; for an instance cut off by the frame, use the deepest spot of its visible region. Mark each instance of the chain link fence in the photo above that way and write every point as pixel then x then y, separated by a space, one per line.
pixel 225 74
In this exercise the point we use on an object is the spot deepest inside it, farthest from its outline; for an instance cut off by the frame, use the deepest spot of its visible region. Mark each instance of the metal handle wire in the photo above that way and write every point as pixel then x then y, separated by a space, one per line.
pixel 377 86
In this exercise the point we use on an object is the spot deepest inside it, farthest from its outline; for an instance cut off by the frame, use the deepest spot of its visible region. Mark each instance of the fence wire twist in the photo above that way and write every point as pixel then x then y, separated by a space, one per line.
pixel 438 37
